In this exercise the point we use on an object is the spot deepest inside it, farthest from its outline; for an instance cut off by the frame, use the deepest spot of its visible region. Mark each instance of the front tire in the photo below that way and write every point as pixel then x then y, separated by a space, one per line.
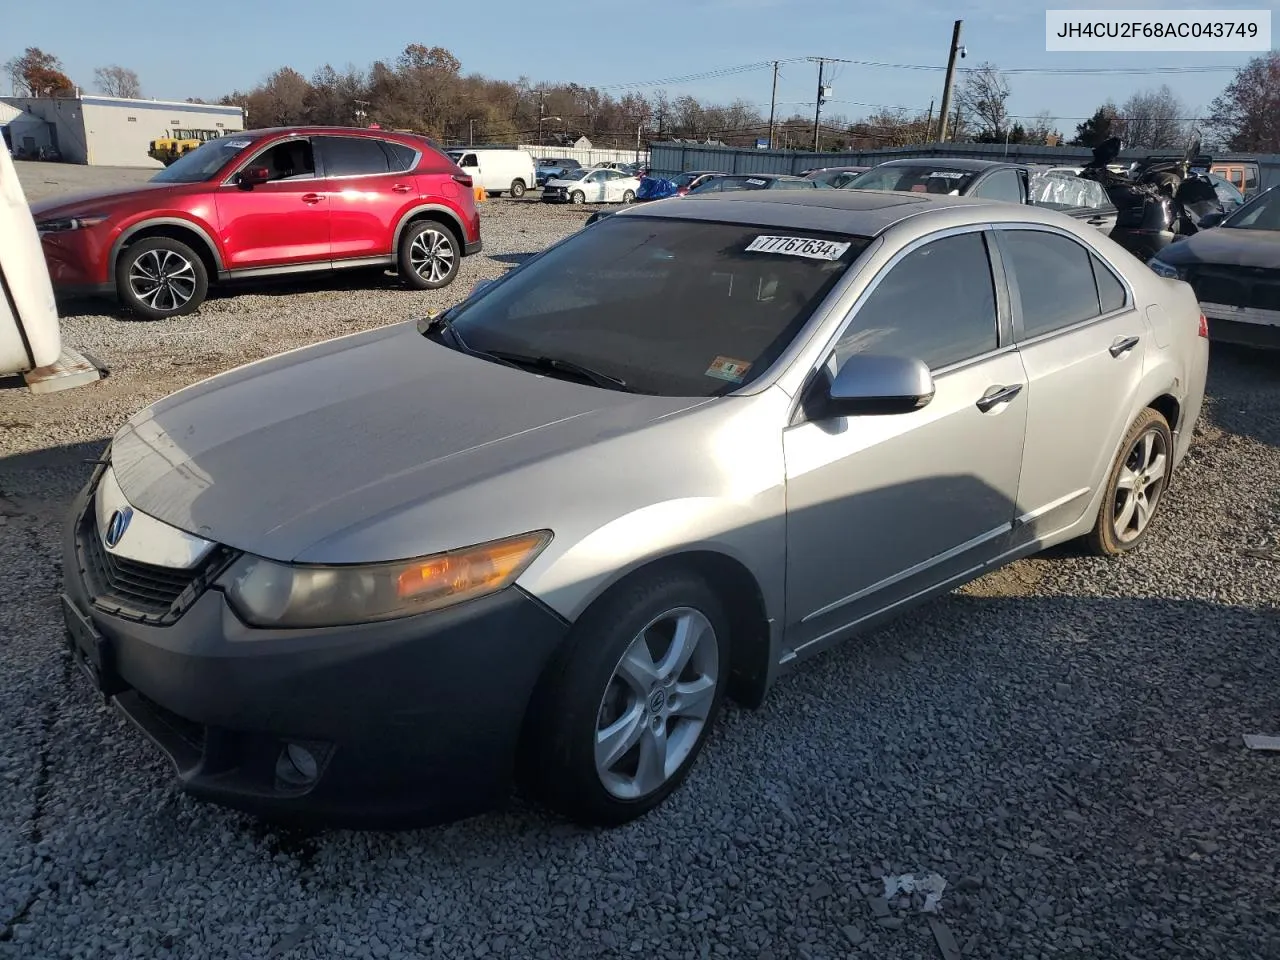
pixel 577 197
pixel 517 189
pixel 428 256
pixel 629 702
pixel 629 197
pixel 1135 486
pixel 161 278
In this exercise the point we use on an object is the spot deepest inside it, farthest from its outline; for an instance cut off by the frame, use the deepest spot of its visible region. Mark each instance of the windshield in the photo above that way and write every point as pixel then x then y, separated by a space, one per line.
pixel 670 307
pixel 744 183
pixel 836 178
pixel 1260 213
pixel 915 178
pixel 203 162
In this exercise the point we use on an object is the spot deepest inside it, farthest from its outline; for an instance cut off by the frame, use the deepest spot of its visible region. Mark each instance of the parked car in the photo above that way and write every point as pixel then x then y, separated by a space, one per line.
pixel 550 169
pixel 1241 174
pixel 692 179
pixel 591 186
pixel 834 176
pixel 498 171
pixel 731 183
pixel 630 169
pixel 1235 271
pixel 662 462
pixel 265 203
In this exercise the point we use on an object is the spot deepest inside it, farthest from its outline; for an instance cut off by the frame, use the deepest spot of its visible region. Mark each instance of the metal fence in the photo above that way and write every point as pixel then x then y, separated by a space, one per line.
pixel 672 158
pixel 586 156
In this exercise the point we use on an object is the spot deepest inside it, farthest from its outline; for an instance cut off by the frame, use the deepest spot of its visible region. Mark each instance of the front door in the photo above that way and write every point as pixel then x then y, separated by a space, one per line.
pixel 881 508
pixel 281 223
pixel 1082 343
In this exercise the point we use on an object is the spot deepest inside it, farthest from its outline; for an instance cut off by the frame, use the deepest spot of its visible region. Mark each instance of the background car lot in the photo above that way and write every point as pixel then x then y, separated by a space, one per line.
pixel 1061 740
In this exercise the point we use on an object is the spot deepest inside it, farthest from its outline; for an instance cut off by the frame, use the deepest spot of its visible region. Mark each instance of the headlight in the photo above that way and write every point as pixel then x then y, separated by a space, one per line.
pixel 269 594
pixel 1162 269
pixel 63 224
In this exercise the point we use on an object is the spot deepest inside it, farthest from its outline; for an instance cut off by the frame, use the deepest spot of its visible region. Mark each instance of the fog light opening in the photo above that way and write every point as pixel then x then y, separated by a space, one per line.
pixel 297 766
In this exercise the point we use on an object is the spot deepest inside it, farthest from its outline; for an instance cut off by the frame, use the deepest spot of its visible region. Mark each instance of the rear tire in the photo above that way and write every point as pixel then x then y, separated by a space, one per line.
pixel 429 255
pixel 628 703
pixel 517 189
pixel 160 277
pixel 1135 486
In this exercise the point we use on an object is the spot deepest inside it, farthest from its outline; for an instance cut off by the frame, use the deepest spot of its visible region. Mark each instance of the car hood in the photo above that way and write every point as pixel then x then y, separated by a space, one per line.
pixel 1225 246
pixel 287 452
pixel 91 202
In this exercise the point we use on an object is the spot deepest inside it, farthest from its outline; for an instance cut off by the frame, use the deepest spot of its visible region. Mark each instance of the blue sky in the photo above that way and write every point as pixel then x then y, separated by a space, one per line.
pixel 187 49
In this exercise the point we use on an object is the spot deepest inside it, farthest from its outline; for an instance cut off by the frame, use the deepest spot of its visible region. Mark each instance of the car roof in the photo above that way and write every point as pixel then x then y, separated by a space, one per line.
pixel 956 163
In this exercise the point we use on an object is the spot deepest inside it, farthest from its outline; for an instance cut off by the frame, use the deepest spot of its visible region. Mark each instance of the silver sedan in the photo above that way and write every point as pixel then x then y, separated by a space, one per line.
pixel 541 536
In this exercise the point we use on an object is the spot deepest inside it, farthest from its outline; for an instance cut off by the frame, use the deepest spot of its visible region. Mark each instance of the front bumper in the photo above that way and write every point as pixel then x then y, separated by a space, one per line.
pixel 409 721
pixel 555 195
pixel 77 262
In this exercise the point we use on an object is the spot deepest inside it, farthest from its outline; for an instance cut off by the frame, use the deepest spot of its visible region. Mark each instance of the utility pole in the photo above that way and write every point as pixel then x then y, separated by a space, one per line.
pixel 773 102
pixel 822 95
pixel 471 132
pixel 542 100
pixel 951 75
pixel 360 111
pixel 928 123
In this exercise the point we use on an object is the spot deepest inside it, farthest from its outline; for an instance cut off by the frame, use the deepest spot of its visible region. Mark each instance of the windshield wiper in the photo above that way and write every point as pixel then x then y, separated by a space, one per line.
pixel 557 365
pixel 442 324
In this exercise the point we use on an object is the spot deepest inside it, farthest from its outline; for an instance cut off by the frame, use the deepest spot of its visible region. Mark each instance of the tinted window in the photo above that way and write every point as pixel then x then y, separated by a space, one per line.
pixel 402 158
pixel 1054 278
pixel 351 156
pixel 672 307
pixel 937 304
pixel 1001 185
pixel 291 160
pixel 1110 290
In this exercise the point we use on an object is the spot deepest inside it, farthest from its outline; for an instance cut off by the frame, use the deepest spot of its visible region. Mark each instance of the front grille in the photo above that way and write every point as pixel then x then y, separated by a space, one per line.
pixel 1251 287
pixel 141 591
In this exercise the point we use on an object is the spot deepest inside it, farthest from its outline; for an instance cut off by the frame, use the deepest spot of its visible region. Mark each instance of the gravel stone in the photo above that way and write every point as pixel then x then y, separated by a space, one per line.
pixel 842 777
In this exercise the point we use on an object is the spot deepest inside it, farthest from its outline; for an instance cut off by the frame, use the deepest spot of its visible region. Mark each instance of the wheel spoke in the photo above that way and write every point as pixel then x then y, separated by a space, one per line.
pixel 1128 479
pixel 693 700
pixel 637 668
pixel 1143 511
pixel 613 743
pixel 1146 450
pixel 688 634
pixel 1125 516
pixel 651 770
pixel 1155 470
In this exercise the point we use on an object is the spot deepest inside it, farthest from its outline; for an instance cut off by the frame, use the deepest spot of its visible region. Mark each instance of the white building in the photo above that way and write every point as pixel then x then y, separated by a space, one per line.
pixel 105 131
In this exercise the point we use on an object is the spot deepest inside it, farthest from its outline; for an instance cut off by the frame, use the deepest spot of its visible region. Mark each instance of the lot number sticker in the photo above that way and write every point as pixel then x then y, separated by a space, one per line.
pixel 799 247
pixel 727 368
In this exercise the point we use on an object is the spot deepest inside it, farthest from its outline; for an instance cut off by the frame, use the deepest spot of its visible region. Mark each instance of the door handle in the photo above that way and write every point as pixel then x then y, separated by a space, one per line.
pixel 401 188
pixel 311 198
pixel 1123 345
pixel 998 395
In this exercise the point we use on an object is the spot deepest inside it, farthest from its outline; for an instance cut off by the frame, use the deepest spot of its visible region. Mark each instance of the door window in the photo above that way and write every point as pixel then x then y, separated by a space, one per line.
pixel 1111 295
pixel 1001 185
pixel 936 304
pixel 1055 281
pixel 469 160
pixel 291 160
pixel 352 157
pixel 400 157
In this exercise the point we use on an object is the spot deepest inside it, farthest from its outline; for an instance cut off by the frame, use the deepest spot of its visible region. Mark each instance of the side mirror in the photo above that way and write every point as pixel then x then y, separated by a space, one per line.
pixel 1212 219
pixel 254 176
pixel 874 384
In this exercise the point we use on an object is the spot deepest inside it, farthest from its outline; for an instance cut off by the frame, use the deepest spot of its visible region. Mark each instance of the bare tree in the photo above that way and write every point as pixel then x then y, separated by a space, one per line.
pixel 983 97
pixel 118 81
pixel 1153 119
pixel 1246 115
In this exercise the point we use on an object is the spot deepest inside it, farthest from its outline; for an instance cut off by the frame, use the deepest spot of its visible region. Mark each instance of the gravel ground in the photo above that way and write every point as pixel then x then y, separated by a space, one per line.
pixel 1060 741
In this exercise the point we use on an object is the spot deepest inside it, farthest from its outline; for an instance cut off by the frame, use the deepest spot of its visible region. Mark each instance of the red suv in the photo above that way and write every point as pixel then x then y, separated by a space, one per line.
pixel 263 203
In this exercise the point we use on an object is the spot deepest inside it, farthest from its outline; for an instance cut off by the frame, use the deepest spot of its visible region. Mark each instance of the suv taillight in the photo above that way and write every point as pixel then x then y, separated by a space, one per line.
pixel 463 179
pixel 1204 326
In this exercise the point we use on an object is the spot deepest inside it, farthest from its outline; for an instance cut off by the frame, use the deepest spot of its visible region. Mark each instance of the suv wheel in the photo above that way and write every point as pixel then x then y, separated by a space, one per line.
pixel 161 278
pixel 627 705
pixel 428 255
pixel 517 188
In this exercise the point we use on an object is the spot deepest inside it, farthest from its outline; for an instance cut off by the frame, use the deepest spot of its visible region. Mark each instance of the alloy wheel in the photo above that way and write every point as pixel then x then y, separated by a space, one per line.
pixel 1139 485
pixel 656 703
pixel 163 280
pixel 431 255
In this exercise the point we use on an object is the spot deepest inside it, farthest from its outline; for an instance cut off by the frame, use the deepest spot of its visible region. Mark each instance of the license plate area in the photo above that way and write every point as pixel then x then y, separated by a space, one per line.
pixel 90 650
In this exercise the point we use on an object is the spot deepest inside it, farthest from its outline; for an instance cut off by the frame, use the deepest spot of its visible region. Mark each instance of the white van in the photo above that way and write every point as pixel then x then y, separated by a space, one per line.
pixel 498 171
pixel 29 334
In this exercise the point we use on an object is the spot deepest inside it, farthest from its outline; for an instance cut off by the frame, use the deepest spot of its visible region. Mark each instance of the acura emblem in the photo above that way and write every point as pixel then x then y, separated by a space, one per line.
pixel 117 525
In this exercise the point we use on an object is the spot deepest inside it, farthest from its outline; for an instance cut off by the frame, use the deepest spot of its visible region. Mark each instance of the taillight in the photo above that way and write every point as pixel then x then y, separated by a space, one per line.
pixel 1204 326
pixel 463 179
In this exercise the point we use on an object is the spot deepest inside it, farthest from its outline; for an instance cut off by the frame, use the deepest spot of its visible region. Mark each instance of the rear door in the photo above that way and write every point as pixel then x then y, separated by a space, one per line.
pixel 281 223
pixel 367 196
pixel 1082 343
